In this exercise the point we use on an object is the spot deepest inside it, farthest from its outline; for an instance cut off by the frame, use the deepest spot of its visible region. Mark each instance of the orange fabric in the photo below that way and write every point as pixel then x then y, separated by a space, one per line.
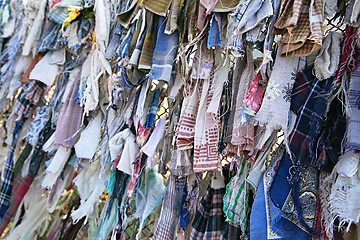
pixel 37 58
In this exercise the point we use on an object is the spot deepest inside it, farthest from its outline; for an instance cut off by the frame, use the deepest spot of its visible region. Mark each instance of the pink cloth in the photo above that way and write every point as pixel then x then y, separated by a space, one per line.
pixel 255 94
pixel 69 119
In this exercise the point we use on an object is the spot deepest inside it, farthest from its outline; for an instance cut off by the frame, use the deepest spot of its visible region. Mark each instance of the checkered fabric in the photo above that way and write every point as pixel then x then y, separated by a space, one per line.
pixel 308 102
pixel 28 97
pixel 7 174
pixel 231 232
pixel 170 210
pixel 300 23
pixel 209 220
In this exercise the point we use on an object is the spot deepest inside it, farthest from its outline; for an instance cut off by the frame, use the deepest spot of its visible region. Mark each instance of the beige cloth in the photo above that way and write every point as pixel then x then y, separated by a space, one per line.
pixel 327 61
pixel 300 24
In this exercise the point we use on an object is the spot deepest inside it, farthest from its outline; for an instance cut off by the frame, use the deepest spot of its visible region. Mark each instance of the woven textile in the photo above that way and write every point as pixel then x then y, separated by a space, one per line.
pixel 174 14
pixel 327 61
pixel 209 220
pixel 214 38
pixel 236 198
pixel 297 200
pixel 206 131
pixel 353 138
pixel 28 97
pixel 308 102
pixel 275 108
pixel 158 7
pixel 300 23
pixel 69 118
pixel 170 210
pixel 149 42
pixel 164 53
pixel 7 174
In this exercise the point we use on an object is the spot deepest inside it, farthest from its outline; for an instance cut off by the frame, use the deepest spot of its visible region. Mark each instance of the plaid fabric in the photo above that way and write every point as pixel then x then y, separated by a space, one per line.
pixel 8 57
pixel 302 34
pixel 231 232
pixel 28 97
pixel 170 210
pixel 236 198
pixel 53 39
pixel 153 107
pixel 308 102
pixel 7 174
pixel 22 188
pixel 331 137
pixel 353 138
pixel 164 53
pixel 21 185
pixel 209 221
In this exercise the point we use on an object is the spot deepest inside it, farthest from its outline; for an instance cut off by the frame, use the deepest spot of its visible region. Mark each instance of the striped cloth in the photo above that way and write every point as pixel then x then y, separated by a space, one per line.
pixel 214 38
pixel 236 198
pixel 148 46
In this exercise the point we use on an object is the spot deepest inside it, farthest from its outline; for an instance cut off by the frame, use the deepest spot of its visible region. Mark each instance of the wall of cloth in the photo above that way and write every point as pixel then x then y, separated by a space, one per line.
pixel 179 119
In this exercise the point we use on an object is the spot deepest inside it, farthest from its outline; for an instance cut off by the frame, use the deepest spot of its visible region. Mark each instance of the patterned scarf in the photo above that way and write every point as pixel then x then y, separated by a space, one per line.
pixel 275 109
pixel 300 23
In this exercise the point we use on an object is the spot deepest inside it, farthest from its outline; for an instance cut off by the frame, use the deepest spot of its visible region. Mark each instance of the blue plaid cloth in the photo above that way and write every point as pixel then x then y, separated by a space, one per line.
pixel 7 175
pixel 9 56
pixel 53 39
pixel 331 138
pixel 153 108
pixel 164 53
pixel 308 102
